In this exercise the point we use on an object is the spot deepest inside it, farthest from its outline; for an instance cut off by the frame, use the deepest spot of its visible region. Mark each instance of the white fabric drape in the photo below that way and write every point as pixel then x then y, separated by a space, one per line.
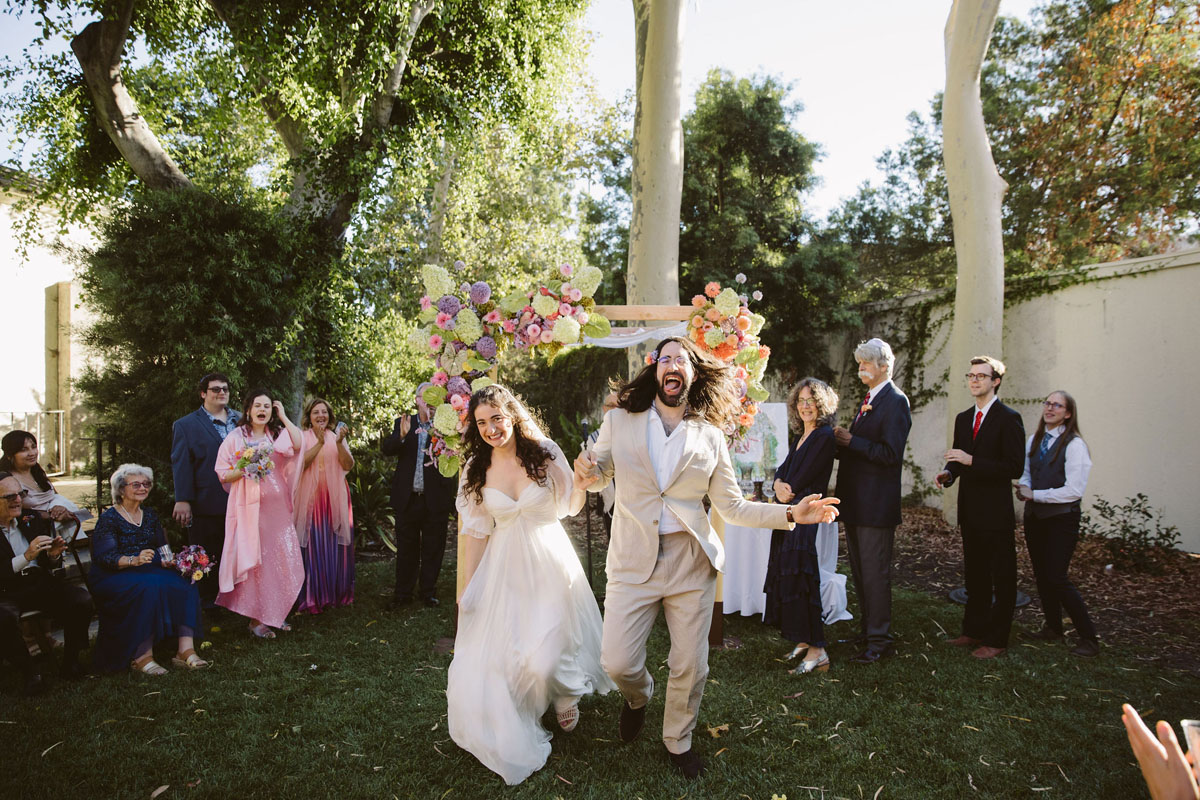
pixel 630 338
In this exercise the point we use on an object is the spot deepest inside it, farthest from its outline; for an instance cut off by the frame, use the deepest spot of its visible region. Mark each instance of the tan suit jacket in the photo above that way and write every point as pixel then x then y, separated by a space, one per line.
pixel 704 468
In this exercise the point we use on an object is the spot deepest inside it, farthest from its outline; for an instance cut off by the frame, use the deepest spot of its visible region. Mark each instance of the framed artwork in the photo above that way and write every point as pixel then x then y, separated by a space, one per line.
pixel 763 448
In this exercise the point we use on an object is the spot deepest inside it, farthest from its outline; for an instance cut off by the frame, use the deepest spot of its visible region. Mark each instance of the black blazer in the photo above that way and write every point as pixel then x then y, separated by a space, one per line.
pixel 31 527
pixel 807 470
pixel 985 497
pixel 439 490
pixel 194 446
pixel 868 481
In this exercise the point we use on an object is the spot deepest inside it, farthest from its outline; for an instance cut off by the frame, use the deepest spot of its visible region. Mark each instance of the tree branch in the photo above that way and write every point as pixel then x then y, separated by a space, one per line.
pixel 381 108
pixel 99 48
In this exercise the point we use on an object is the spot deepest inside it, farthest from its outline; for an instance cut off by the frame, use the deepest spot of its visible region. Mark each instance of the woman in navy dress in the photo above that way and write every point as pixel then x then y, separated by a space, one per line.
pixel 139 599
pixel 793 584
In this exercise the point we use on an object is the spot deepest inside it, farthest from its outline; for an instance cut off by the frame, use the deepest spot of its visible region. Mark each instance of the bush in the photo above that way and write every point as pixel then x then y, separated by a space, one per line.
pixel 370 494
pixel 566 390
pixel 1131 531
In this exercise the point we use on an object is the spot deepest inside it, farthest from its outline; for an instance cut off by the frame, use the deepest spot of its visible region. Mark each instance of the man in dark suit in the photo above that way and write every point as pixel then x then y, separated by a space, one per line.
pixel 421 500
pixel 988 454
pixel 871 453
pixel 200 499
pixel 31 580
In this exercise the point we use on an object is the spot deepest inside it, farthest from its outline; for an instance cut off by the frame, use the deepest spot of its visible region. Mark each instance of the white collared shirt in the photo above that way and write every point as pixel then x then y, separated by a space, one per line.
pixel 985 410
pixel 16 541
pixel 873 393
pixel 665 452
pixel 1077 469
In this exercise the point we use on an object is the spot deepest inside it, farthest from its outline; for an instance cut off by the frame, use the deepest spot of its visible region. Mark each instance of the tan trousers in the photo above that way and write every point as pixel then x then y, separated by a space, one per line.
pixel 684 585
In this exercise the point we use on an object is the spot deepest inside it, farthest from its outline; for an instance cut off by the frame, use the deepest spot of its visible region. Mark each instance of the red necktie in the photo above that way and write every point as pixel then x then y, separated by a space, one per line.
pixel 863 408
pixel 978 420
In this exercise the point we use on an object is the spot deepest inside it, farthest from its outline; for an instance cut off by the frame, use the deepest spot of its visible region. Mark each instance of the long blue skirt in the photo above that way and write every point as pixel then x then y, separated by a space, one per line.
pixel 139 606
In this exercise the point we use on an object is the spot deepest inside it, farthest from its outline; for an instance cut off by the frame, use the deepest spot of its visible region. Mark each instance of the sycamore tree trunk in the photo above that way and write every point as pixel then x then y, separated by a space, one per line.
pixel 653 272
pixel 976 193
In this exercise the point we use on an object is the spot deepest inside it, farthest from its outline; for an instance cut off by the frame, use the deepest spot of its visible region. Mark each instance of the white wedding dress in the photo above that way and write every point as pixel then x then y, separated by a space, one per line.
pixel 528 627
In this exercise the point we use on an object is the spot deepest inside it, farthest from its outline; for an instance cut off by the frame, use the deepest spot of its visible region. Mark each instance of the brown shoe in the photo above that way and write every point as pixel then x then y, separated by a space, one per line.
pixel 965 641
pixel 989 652
pixel 1087 648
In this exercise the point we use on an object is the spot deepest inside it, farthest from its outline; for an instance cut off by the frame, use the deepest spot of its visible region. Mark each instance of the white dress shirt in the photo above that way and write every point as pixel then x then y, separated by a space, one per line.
pixel 1078 467
pixel 985 411
pixel 16 540
pixel 665 452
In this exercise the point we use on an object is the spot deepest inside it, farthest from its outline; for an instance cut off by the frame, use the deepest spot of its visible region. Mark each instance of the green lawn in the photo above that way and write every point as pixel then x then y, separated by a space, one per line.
pixel 352 705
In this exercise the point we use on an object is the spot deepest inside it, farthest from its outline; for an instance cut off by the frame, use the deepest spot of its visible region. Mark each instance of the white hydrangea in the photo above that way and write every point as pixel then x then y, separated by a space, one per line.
pixel 437 281
pixel 727 302
pixel 714 337
pixel 756 323
pixel 467 326
pixel 445 419
pixel 566 330
pixel 418 339
pixel 544 304
pixel 587 280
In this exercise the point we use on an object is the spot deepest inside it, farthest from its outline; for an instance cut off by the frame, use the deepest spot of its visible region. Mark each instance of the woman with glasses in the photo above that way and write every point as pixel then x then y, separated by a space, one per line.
pixel 793 584
pixel 20 457
pixel 1057 464
pixel 140 599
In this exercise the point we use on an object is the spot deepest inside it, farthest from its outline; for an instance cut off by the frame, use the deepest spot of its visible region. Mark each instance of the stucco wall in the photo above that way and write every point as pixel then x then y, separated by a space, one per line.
pixel 1123 343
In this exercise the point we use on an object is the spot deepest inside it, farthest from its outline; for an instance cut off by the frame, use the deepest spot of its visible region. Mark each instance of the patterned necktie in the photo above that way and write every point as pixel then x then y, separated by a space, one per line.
pixel 1044 447
pixel 978 422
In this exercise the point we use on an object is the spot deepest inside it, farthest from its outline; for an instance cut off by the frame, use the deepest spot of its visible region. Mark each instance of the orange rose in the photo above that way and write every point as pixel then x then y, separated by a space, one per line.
pixel 745 420
pixel 764 351
pixel 743 323
pixel 712 289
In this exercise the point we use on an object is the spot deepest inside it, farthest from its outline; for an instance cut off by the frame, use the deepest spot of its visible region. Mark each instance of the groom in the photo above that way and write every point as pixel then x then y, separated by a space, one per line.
pixel 664 444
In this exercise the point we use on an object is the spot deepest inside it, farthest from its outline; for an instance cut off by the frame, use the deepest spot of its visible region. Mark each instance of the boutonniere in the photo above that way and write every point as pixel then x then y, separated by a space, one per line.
pixel 866 409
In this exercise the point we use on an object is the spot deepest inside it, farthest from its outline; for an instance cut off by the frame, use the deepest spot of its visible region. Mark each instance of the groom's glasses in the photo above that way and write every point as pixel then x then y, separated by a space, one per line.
pixel 679 361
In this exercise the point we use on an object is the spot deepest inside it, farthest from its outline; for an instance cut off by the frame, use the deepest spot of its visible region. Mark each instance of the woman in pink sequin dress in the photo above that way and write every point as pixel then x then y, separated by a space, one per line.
pixel 261 569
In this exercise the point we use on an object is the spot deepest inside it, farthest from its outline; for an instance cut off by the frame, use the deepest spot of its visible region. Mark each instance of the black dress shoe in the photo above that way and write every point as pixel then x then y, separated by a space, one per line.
pixel 1044 635
pixel 74 671
pixel 690 764
pixel 632 720
pixel 432 602
pixel 870 656
pixel 35 684
pixel 1087 648
pixel 399 601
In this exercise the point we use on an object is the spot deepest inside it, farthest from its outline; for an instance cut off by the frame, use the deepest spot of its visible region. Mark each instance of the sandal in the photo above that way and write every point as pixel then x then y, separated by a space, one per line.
pixel 799 651
pixel 568 718
pixel 189 660
pixel 285 628
pixel 262 631
pixel 148 666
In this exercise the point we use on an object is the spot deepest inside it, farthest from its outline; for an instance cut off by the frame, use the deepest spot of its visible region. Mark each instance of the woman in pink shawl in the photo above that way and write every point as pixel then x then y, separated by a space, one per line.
pixel 261 570
pixel 324 518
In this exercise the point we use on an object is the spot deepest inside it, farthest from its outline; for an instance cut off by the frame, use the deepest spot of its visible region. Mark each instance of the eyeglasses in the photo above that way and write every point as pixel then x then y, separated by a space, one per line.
pixel 12 498
pixel 140 484
pixel 980 376
pixel 806 402
pixel 679 361
pixel 1052 404
pixel 219 389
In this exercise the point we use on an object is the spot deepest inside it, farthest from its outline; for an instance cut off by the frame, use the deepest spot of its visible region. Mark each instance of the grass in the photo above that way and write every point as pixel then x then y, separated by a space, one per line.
pixel 352 704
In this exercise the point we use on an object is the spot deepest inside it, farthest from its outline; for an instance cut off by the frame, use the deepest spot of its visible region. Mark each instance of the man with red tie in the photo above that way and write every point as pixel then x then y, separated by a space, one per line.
pixel 871 455
pixel 988 454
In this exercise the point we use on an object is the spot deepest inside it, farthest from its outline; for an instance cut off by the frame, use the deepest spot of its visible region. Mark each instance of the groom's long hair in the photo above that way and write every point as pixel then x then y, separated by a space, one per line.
pixel 530 453
pixel 713 394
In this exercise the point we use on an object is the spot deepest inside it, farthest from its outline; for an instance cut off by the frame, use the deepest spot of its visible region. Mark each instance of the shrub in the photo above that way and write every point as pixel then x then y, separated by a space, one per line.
pixel 1131 531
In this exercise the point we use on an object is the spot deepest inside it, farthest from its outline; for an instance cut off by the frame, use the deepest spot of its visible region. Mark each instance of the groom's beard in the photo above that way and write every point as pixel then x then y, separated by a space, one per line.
pixel 684 387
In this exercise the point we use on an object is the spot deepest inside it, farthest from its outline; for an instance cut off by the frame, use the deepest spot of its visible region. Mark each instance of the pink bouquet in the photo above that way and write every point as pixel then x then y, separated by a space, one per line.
pixel 255 460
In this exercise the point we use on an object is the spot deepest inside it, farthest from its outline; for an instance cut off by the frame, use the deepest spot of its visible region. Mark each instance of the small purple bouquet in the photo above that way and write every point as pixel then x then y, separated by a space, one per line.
pixel 192 562
pixel 255 460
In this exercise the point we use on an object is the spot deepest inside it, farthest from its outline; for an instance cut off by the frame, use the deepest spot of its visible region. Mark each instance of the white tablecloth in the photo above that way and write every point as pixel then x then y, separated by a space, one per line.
pixel 746 553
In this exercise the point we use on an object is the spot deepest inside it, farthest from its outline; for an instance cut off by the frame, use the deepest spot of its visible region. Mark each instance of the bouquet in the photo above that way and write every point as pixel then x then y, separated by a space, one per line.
pixel 255 460
pixel 192 562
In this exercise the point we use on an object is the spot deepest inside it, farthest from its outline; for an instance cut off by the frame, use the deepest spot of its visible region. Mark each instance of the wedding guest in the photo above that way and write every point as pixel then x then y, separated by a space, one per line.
pixel 1169 774
pixel 1057 465
pixel 20 457
pixel 140 599
pixel 261 569
pixel 793 584
pixel 30 580
pixel 200 499
pixel 421 500
pixel 324 518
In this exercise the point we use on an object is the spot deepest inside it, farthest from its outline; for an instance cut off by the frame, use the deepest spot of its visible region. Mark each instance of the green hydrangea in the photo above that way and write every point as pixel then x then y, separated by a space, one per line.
pixel 714 337
pixel 566 330
pixel 544 304
pixel 480 382
pixel 445 419
pixel 418 339
pixel 467 327
pixel 727 302
pixel 587 280
pixel 437 281
pixel 756 323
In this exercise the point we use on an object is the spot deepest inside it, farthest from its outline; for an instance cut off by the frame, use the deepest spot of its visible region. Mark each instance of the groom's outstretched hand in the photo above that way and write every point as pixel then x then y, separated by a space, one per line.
pixel 585 471
pixel 815 509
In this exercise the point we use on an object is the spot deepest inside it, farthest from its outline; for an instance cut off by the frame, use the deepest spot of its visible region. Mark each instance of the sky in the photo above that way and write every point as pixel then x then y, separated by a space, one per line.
pixel 857 66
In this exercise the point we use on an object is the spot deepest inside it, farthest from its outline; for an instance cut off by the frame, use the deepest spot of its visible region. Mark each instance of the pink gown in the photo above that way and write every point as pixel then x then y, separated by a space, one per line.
pixel 261 570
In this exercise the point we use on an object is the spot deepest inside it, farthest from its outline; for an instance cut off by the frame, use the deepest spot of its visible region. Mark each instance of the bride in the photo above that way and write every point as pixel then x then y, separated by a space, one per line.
pixel 528 628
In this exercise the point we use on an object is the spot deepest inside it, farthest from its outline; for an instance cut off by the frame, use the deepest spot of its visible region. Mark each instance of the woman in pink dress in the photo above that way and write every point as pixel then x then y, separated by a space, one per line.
pixel 261 570
pixel 324 517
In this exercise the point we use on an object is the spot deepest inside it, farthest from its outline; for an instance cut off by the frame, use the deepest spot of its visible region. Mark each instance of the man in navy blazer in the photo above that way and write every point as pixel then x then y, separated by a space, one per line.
pixel 200 499
pixel 871 457
pixel 988 454
pixel 421 502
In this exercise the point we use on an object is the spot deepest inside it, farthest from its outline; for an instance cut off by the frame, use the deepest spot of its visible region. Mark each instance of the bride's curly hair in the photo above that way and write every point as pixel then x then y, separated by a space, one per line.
pixel 713 395
pixel 530 453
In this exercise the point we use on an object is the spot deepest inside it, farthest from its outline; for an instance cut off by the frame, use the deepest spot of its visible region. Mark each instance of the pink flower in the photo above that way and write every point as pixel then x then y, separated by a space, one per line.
pixel 697 321
pixel 576 295
pixel 509 326
pixel 743 323
pixel 698 300
pixel 712 315
pixel 458 402
pixel 706 327
pixel 425 302
pixel 547 336
pixel 435 342
pixel 712 289
pixel 533 332
pixel 731 340
pixel 441 319
pixel 582 317
pixel 440 378
pixel 492 317
pixel 564 309
pixel 740 373
pixel 566 270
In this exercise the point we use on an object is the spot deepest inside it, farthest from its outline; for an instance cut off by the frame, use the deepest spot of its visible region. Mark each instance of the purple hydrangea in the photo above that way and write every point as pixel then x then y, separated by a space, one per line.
pixel 449 304
pixel 464 287
pixel 480 293
pixel 457 385
pixel 486 347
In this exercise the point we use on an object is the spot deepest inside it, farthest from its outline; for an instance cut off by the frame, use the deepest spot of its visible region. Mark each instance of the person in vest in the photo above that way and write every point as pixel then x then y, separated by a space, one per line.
pixel 1057 464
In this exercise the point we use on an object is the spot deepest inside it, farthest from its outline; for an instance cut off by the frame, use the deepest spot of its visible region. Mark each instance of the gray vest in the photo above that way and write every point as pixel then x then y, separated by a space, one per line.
pixel 1050 473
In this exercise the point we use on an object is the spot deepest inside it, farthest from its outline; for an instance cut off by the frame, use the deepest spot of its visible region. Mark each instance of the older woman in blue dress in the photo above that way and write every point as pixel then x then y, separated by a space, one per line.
pixel 140 598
